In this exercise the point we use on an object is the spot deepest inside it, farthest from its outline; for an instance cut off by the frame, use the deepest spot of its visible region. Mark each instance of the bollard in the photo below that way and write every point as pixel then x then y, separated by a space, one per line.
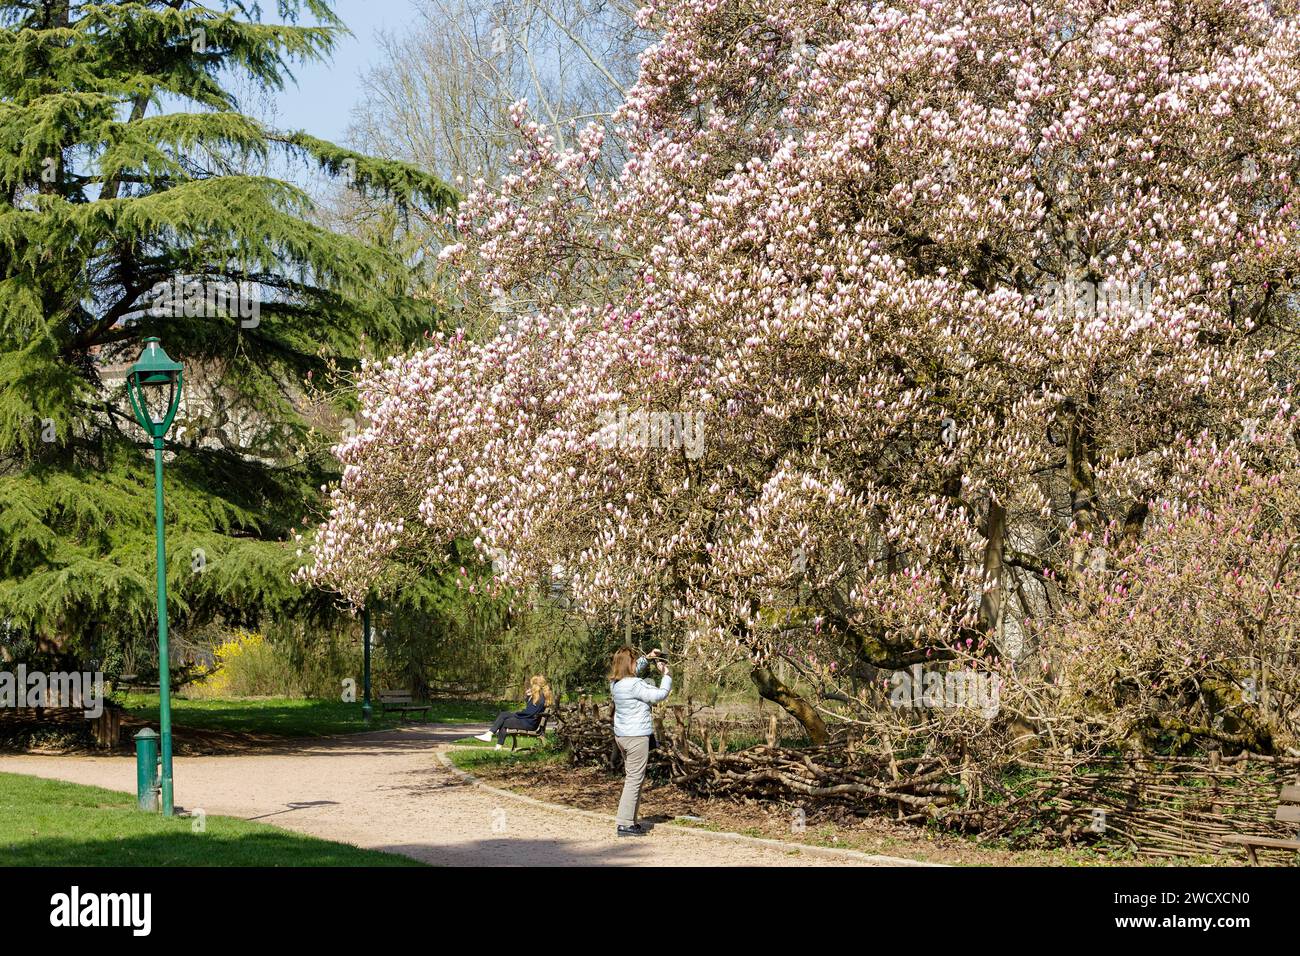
pixel 147 784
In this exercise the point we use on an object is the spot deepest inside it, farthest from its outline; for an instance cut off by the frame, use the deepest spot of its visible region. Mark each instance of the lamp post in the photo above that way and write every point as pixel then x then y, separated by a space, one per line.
pixel 154 386
pixel 366 710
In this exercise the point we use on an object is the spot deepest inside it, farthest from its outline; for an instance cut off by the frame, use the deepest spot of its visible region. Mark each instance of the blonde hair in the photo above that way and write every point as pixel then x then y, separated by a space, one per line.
pixel 624 663
pixel 539 689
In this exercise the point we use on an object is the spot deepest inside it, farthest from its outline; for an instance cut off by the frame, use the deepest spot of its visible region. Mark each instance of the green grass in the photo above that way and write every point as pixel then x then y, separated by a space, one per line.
pixel 525 743
pixel 478 754
pixel 51 823
pixel 292 717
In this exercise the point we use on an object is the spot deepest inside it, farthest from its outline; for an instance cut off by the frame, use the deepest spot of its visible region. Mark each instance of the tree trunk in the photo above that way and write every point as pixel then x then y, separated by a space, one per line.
pixel 771 688
pixel 991 602
pixel 1080 455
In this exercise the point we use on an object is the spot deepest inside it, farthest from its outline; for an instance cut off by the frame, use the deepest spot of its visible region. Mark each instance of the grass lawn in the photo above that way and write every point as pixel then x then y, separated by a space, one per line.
pixel 51 823
pixel 291 717
pixel 477 753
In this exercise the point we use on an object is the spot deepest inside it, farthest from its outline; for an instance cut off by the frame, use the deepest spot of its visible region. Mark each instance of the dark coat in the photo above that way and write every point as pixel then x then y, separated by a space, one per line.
pixel 532 712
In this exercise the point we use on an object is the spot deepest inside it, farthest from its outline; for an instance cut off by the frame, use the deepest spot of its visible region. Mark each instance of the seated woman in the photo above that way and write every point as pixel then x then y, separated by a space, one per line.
pixel 538 698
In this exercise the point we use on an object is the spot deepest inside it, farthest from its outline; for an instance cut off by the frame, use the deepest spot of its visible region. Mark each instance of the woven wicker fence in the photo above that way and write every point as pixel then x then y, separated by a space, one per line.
pixel 1173 807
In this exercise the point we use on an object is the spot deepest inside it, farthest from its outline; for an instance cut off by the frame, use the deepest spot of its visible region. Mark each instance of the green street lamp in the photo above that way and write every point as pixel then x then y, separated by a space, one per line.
pixel 154 386
pixel 366 710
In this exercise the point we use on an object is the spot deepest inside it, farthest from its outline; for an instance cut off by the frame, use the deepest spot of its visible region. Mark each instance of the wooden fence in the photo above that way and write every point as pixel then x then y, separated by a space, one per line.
pixel 1171 807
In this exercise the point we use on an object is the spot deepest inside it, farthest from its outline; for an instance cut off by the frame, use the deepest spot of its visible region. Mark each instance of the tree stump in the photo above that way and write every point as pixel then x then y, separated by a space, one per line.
pixel 108 728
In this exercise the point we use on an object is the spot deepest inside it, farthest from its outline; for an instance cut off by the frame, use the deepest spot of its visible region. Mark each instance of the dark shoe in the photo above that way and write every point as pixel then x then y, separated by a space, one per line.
pixel 634 830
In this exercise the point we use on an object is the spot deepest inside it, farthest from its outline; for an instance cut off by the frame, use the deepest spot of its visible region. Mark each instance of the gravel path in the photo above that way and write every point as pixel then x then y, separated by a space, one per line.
pixel 388 791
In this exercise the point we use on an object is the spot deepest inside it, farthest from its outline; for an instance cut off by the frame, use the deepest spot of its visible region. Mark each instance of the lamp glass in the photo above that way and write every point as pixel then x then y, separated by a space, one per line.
pixel 154 386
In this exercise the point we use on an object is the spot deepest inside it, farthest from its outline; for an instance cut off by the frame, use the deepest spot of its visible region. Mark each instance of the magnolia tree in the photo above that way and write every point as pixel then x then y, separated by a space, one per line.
pixel 1191 634
pixel 891 330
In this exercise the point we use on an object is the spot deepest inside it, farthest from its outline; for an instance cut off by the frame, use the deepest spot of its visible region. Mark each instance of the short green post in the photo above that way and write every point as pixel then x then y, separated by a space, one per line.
pixel 146 769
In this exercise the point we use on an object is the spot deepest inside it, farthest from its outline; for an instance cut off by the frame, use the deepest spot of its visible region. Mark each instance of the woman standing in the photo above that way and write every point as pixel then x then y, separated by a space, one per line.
pixel 633 727
pixel 537 698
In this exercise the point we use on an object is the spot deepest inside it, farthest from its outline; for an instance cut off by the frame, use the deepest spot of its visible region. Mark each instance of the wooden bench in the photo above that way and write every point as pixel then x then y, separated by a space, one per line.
pixel 539 733
pixel 132 684
pixel 1288 811
pixel 402 702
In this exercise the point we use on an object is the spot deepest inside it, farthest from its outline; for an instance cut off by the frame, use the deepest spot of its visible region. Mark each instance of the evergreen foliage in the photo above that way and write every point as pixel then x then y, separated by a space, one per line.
pixel 126 163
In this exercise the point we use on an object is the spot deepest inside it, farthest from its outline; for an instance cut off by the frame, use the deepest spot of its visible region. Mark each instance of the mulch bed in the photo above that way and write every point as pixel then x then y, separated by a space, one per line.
pixel 593 788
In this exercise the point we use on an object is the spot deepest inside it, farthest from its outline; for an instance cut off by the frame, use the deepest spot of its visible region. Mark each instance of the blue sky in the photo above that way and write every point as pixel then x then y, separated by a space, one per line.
pixel 322 101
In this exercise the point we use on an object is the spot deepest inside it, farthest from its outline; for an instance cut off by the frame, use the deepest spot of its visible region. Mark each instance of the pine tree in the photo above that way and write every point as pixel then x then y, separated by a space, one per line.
pixel 134 201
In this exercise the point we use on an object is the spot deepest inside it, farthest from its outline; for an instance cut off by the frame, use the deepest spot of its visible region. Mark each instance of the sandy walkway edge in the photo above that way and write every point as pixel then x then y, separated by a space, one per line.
pixel 874 859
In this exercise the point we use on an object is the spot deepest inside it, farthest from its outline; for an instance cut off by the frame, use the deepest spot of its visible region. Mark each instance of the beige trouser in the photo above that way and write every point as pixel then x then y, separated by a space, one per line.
pixel 636 754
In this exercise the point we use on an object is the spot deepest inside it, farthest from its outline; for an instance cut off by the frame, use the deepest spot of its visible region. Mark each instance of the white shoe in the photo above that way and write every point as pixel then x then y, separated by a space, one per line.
pixel 486 736
pixel 498 747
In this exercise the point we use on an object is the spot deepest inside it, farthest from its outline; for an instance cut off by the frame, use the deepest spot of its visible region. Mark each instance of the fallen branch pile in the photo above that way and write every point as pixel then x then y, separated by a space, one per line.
pixel 1171 807
pixel 702 755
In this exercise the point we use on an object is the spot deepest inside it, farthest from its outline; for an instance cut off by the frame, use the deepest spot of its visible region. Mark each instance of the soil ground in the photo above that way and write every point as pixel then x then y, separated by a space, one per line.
pixel 592 788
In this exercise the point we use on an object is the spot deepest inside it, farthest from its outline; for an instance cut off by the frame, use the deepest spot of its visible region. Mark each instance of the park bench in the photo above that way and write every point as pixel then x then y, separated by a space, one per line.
pixel 132 684
pixel 181 677
pixel 539 733
pixel 402 702
pixel 1288 811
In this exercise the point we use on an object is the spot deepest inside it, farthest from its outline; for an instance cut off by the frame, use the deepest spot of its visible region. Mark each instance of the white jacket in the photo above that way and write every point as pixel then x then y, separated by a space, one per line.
pixel 632 699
